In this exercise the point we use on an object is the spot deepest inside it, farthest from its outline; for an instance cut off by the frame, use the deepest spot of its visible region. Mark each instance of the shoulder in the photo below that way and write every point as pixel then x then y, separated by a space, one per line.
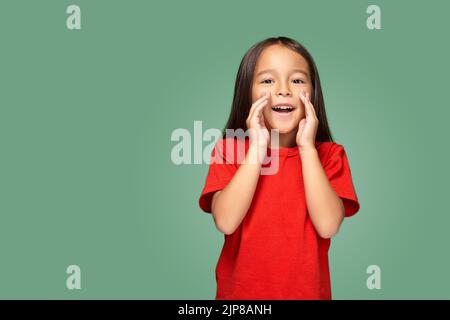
pixel 328 149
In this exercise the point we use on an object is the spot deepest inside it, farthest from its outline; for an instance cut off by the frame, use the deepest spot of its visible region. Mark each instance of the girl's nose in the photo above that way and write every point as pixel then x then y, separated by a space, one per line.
pixel 284 92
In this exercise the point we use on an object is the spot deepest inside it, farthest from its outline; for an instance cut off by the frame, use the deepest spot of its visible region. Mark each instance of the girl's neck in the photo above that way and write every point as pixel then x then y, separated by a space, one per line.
pixel 287 140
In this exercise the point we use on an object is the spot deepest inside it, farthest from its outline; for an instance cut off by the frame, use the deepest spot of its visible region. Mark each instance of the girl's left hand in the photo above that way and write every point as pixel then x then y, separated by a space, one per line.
pixel 307 128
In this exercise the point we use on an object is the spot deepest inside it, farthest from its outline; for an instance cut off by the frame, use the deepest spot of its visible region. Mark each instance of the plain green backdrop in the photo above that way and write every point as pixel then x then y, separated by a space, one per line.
pixel 86 117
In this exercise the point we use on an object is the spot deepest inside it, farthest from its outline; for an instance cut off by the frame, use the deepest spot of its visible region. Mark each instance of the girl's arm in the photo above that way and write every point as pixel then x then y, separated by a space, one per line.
pixel 230 205
pixel 324 206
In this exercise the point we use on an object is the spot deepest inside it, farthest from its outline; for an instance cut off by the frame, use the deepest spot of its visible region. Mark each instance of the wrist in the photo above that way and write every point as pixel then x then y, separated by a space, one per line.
pixel 258 145
pixel 309 149
pixel 255 154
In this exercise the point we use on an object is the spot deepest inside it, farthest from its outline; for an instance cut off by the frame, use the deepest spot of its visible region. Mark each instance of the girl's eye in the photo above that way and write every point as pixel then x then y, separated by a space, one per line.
pixel 296 81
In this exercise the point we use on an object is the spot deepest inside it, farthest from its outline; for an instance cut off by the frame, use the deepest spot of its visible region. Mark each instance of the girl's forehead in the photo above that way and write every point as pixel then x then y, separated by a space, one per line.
pixel 281 58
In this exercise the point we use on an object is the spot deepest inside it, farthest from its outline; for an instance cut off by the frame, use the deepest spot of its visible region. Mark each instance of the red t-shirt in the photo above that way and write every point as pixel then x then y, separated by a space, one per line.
pixel 276 253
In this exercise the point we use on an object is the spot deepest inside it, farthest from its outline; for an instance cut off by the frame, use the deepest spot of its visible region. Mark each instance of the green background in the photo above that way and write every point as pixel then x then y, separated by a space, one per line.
pixel 86 118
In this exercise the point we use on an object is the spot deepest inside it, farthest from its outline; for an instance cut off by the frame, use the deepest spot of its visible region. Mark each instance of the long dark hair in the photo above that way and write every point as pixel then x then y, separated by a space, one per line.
pixel 244 80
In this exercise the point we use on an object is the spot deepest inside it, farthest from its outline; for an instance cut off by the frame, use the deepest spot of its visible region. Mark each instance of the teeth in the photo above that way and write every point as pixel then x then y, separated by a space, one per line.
pixel 283 108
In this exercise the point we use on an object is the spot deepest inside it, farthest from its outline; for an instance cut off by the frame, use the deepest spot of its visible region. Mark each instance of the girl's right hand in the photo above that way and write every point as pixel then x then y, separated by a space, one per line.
pixel 258 132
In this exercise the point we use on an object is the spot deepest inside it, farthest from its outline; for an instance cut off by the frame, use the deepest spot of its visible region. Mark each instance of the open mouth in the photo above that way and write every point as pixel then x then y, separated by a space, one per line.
pixel 283 109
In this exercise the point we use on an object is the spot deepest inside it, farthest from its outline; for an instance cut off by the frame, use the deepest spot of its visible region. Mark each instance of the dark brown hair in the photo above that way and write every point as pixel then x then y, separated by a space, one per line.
pixel 244 80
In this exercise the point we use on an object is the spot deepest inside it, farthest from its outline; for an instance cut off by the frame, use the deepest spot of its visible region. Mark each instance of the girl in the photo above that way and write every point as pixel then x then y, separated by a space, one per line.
pixel 277 227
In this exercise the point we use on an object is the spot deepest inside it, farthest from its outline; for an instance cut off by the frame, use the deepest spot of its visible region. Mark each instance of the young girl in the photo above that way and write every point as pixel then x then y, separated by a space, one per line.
pixel 277 227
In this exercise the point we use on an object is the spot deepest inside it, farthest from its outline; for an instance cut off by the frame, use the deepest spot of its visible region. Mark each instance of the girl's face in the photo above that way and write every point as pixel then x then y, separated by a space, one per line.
pixel 283 73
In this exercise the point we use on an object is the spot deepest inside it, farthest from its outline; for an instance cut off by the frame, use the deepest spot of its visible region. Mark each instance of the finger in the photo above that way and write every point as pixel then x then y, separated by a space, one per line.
pixel 265 96
pixel 301 126
pixel 305 103
pixel 308 98
pixel 258 113
pixel 309 108
pixel 254 106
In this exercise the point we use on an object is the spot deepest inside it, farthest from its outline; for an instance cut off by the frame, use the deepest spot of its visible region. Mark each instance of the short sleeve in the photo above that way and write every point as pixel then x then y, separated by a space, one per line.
pixel 224 163
pixel 337 168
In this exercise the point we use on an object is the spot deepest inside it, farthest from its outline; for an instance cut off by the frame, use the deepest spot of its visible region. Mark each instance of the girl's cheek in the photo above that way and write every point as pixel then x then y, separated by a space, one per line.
pixel 306 88
pixel 258 90
pixel 259 93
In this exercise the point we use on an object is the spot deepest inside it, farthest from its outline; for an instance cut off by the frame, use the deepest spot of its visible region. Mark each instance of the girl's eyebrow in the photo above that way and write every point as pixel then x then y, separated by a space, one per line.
pixel 274 71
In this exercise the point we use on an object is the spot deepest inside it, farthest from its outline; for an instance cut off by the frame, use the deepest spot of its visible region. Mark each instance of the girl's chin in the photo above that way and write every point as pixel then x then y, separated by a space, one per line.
pixel 285 128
